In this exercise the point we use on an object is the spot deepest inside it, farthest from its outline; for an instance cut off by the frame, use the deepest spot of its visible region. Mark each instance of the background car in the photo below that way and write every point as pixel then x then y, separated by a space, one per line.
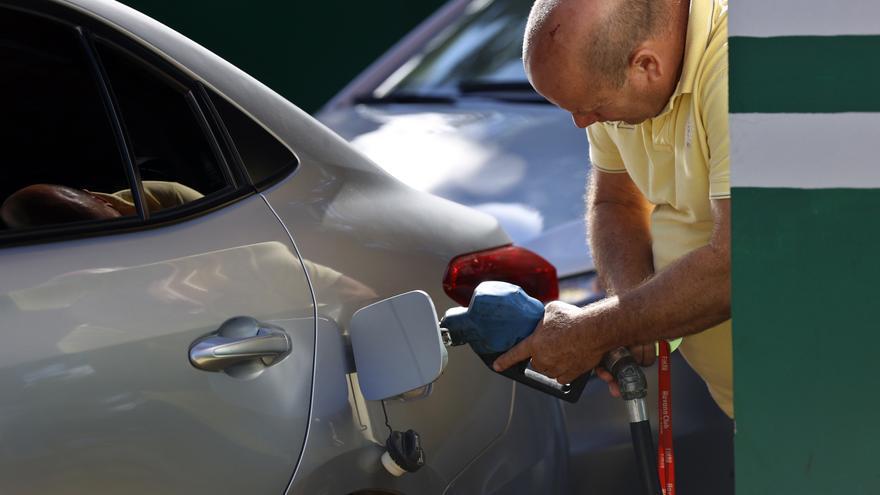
pixel 287 225
pixel 449 111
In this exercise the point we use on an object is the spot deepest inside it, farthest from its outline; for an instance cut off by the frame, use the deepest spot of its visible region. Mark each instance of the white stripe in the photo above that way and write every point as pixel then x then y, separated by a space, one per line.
pixel 806 151
pixel 764 18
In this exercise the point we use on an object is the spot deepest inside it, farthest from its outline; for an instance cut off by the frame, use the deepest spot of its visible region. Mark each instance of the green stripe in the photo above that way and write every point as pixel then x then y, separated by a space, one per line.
pixel 805 74
pixel 806 306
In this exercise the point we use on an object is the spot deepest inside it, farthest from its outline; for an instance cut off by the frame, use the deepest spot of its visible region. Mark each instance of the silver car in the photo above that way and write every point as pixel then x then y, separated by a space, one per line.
pixel 182 253
pixel 449 110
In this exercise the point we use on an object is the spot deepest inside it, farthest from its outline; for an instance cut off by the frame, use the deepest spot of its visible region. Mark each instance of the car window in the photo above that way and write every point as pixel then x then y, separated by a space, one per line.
pixel 57 141
pixel 263 156
pixel 484 46
pixel 169 138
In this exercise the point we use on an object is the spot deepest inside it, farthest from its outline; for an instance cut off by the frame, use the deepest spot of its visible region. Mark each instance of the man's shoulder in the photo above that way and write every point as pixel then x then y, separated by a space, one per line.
pixel 715 61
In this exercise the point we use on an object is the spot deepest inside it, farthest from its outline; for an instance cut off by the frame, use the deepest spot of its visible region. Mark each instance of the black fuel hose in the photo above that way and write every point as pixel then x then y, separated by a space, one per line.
pixel 646 456
pixel 634 390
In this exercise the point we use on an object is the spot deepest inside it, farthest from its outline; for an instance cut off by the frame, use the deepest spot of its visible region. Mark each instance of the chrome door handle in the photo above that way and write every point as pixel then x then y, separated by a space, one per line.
pixel 240 340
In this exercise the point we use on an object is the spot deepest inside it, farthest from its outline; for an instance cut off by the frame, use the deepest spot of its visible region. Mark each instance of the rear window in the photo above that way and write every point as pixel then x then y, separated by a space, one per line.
pixel 264 157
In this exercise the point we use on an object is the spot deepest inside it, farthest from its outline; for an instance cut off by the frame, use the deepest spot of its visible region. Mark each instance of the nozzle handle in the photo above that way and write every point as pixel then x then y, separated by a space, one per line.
pixel 521 372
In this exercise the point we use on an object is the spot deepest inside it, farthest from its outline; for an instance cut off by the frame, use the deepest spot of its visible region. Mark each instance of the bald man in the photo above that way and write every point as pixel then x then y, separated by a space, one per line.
pixel 648 80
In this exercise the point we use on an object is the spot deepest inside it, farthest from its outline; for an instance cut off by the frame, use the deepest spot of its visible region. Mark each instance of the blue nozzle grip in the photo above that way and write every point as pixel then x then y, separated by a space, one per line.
pixel 499 316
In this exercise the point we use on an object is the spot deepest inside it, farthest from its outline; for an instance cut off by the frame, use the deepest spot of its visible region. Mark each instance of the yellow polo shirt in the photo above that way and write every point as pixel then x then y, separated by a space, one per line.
pixel 680 160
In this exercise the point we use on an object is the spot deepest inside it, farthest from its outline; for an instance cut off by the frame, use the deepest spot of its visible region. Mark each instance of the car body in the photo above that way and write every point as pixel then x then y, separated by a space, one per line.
pixel 103 319
pixel 449 111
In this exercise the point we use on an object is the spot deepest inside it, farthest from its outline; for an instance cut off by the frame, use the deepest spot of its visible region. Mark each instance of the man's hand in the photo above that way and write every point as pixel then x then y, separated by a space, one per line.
pixel 560 347
pixel 645 355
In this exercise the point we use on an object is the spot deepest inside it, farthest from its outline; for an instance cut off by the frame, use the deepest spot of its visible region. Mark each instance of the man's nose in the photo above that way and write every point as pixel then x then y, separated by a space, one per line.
pixel 584 121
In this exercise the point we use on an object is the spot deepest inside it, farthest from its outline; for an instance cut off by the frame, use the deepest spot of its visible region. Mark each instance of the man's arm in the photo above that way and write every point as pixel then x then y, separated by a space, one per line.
pixel 619 231
pixel 618 216
pixel 689 296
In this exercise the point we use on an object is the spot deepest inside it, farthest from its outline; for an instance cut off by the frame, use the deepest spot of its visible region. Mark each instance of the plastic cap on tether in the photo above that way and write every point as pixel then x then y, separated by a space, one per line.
pixel 404 453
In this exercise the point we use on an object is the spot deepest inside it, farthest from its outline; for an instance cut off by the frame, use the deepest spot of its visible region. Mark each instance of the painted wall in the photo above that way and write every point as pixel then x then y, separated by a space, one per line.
pixel 805 132
pixel 306 51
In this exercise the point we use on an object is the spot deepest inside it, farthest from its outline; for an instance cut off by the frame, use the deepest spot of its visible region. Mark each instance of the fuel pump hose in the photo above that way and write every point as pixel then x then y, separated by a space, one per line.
pixel 634 391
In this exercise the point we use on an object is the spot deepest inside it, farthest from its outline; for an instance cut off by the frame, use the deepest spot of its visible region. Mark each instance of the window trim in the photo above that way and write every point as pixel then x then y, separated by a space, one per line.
pixel 123 141
pixel 224 133
pixel 269 181
pixel 238 187
pixel 213 141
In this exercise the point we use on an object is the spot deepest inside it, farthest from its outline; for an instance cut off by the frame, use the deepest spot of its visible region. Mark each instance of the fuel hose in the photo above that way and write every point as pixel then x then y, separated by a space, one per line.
pixel 634 391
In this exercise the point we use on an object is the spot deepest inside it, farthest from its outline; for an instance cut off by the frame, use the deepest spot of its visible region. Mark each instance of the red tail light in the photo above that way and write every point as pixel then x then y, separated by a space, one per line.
pixel 511 264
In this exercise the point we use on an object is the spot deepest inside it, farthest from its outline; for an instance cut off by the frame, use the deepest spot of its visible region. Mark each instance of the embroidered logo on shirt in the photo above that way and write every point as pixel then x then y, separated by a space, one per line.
pixel 689 132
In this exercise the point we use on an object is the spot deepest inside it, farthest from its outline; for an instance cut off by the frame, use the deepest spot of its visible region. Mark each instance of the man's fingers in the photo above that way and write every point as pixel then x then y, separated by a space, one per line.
pixel 644 354
pixel 519 352
pixel 566 379
pixel 650 355
pixel 614 389
pixel 604 375
pixel 541 368
pixel 607 377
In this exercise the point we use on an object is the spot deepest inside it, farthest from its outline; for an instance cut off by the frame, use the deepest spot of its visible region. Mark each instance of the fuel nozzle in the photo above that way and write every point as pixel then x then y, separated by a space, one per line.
pixel 499 316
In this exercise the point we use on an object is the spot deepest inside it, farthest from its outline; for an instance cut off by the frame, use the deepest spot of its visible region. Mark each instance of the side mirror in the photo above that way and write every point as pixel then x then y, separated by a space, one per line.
pixel 397 345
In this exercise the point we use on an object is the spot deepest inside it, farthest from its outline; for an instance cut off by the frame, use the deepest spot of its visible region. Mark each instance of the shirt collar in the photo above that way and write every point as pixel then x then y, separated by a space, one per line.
pixel 698 30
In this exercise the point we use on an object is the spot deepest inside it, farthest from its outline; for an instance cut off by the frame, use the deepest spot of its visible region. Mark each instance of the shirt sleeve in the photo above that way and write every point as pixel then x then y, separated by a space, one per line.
pixel 715 120
pixel 604 154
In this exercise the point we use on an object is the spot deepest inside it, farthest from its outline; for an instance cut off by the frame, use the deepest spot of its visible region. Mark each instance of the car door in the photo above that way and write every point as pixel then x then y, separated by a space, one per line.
pixel 104 320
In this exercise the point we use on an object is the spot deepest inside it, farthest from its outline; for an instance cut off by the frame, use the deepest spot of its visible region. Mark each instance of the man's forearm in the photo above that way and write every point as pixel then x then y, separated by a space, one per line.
pixel 620 241
pixel 689 296
pixel 621 248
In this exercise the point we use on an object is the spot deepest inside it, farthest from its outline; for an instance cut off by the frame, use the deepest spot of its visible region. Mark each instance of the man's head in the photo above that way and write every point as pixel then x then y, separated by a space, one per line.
pixel 49 204
pixel 605 60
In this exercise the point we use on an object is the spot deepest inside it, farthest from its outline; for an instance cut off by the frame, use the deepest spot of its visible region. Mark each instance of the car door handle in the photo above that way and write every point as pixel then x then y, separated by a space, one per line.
pixel 240 340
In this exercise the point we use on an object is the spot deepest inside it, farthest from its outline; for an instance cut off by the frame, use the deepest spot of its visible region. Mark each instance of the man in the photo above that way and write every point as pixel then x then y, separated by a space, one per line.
pixel 648 79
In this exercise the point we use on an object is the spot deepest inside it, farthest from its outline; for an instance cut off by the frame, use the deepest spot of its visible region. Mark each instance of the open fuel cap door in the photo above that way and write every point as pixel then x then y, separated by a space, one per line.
pixel 397 345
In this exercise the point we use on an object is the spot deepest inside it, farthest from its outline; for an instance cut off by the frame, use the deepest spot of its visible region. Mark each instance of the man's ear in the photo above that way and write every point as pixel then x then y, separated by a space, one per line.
pixel 645 64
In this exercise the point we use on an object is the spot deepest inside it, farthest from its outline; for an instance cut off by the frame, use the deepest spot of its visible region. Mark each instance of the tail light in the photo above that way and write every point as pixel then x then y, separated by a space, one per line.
pixel 511 264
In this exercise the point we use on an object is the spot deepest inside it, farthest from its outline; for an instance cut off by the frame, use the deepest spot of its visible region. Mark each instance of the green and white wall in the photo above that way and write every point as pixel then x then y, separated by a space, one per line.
pixel 805 165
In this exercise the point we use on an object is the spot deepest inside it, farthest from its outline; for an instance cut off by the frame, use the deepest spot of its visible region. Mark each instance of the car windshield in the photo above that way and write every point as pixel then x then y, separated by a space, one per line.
pixel 481 49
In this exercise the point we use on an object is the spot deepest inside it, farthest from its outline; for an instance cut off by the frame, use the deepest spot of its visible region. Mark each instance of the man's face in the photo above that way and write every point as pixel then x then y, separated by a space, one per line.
pixel 588 100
